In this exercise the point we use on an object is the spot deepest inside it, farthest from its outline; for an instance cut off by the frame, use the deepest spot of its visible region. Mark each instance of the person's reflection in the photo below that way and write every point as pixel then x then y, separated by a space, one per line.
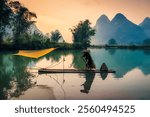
pixel 89 76
pixel 104 71
pixel 103 75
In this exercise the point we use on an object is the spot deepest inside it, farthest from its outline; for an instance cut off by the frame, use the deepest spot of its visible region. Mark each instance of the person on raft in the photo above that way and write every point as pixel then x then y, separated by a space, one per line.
pixel 104 67
pixel 89 64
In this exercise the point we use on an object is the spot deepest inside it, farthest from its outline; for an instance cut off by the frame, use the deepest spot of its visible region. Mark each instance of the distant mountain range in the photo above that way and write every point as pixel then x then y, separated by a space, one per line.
pixel 146 26
pixel 121 29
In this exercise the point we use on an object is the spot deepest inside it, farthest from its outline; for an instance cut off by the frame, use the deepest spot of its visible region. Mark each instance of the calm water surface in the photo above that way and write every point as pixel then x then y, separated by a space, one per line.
pixel 19 78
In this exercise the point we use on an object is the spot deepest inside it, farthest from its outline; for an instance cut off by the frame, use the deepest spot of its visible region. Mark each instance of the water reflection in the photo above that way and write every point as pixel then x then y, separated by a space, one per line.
pixel 15 78
pixel 111 51
pixel 103 75
pixel 122 61
pixel 89 77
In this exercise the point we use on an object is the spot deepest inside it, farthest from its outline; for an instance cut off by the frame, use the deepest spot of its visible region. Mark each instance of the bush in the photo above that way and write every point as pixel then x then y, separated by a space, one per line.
pixel 112 42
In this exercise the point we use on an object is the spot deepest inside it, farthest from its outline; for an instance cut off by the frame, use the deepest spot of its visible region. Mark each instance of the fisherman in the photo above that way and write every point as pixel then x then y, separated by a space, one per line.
pixel 89 64
pixel 104 71
pixel 104 67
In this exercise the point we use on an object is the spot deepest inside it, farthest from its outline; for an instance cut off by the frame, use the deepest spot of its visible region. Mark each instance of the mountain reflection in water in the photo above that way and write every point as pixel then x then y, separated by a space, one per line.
pixel 131 81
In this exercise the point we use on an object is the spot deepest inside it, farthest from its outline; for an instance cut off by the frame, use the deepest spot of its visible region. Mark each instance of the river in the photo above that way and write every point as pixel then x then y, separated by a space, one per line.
pixel 19 78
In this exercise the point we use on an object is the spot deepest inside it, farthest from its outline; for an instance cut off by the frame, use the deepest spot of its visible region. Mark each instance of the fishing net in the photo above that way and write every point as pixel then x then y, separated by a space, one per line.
pixel 34 53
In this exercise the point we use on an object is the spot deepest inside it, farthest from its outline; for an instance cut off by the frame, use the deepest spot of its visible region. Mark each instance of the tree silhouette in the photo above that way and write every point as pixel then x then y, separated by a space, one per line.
pixel 112 42
pixel 82 33
pixel 5 12
pixel 55 36
pixel 22 19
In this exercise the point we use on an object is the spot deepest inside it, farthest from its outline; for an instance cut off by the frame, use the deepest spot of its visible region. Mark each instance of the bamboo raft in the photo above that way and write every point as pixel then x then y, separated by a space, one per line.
pixel 51 71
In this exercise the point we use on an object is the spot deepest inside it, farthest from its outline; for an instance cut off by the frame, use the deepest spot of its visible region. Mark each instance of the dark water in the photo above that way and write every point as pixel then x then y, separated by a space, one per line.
pixel 19 78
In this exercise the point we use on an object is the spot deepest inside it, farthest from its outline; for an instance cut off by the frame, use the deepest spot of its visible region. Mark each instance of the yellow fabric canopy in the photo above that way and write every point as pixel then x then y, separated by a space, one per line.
pixel 34 53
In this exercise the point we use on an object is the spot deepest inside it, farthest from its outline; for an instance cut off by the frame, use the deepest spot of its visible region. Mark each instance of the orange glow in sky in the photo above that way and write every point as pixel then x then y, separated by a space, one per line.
pixel 64 14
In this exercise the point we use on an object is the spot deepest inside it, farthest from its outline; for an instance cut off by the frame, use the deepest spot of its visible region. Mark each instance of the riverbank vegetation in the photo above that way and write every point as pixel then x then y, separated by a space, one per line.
pixel 121 46
pixel 16 19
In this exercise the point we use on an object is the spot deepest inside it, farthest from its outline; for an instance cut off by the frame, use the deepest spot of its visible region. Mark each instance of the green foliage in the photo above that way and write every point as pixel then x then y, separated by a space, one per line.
pixel 55 36
pixel 82 33
pixel 146 41
pixel 22 19
pixel 5 13
pixel 8 41
pixel 112 42
pixel 26 41
pixel 79 45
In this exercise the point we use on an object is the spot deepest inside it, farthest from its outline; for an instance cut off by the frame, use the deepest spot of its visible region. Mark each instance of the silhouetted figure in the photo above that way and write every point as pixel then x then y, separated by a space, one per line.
pixel 88 60
pixel 104 67
pixel 89 76
pixel 104 70
pixel 103 75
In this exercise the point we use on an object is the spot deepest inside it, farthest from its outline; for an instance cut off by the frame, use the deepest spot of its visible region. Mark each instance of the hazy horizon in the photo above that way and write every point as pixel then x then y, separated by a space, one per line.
pixel 62 15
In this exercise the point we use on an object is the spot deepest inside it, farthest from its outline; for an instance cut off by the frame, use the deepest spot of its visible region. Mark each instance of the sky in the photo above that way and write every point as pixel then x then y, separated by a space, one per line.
pixel 64 14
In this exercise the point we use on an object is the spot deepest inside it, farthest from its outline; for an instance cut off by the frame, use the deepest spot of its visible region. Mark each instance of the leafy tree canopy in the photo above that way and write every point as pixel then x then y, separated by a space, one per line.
pixel 55 36
pixel 18 16
pixel 22 18
pixel 82 33
pixel 5 12
pixel 112 42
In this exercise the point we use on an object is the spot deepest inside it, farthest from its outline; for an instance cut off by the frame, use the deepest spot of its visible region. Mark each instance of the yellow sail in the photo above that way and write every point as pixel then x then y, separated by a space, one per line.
pixel 34 53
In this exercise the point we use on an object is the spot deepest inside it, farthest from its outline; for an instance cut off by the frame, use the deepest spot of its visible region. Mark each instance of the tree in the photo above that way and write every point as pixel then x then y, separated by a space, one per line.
pixel 55 36
pixel 112 42
pixel 82 33
pixel 22 19
pixel 5 13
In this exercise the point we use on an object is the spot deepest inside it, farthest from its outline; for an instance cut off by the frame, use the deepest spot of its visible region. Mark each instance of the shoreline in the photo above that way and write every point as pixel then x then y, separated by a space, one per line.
pixel 67 46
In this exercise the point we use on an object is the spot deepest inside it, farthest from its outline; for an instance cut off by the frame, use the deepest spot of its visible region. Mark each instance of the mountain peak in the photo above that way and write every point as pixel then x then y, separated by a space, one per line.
pixel 103 19
pixel 146 23
pixel 121 29
pixel 119 19
pixel 119 16
pixel 147 19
